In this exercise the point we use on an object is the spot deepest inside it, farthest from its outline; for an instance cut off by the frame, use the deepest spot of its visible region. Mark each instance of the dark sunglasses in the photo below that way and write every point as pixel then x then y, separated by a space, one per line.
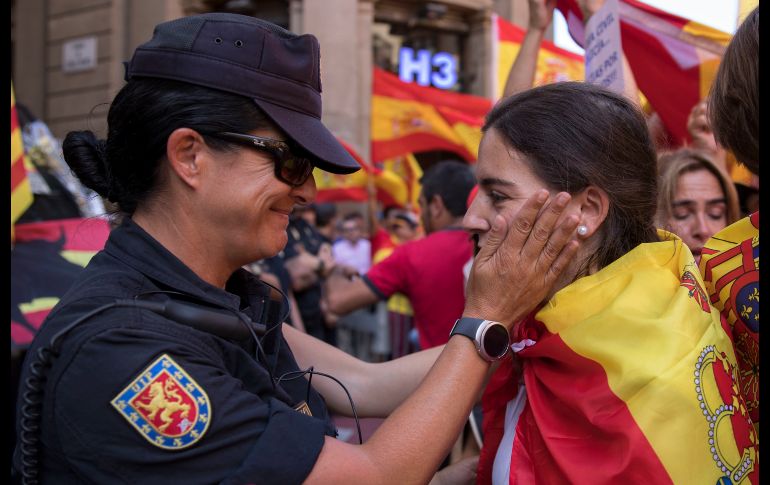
pixel 290 168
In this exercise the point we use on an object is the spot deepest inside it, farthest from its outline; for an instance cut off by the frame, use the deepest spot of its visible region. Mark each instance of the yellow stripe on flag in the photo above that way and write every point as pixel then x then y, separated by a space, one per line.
pixel 38 304
pixel 397 118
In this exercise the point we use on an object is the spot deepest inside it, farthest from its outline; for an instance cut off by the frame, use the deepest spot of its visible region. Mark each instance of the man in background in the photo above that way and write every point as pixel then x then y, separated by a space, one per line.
pixel 429 270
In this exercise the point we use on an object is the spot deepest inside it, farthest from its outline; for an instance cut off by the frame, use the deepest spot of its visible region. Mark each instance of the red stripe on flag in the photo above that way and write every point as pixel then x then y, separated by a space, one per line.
pixel 358 194
pixel 20 334
pixel 36 318
pixel 14 118
pixel 578 427
pixel 18 173
pixel 508 32
pixel 389 85
pixel 414 143
pixel 80 234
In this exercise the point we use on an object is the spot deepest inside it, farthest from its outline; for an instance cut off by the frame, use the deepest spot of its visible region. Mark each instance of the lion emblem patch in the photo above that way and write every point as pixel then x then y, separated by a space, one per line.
pixel 165 405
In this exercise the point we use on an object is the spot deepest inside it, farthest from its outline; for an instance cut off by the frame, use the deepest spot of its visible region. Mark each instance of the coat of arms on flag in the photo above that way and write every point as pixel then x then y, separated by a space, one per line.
pixel 165 405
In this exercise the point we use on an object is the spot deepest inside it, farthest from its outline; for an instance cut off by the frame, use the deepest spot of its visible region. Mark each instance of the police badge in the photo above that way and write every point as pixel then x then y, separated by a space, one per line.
pixel 165 405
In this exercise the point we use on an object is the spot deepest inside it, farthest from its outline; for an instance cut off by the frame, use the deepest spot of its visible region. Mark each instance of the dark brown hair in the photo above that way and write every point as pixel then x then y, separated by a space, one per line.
pixel 734 97
pixel 573 135
pixel 125 168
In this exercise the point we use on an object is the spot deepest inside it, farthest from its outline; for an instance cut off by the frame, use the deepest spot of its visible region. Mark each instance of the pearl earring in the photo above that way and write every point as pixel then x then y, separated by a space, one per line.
pixel 582 229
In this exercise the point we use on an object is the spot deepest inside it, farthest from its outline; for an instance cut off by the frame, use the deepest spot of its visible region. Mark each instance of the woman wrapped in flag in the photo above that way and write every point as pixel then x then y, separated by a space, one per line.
pixel 624 374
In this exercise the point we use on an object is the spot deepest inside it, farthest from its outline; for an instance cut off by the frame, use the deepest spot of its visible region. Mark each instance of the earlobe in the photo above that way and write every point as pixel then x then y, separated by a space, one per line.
pixel 184 151
pixel 594 206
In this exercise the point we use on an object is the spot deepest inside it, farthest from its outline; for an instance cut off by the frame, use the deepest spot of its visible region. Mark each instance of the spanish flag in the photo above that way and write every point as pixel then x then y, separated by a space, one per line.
pixel 730 268
pixel 391 188
pixel 627 376
pixel 21 193
pixel 46 259
pixel 408 118
pixel 408 169
pixel 554 64
pixel 674 60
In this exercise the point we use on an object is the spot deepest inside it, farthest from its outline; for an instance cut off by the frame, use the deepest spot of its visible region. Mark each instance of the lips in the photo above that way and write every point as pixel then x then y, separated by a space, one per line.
pixel 285 212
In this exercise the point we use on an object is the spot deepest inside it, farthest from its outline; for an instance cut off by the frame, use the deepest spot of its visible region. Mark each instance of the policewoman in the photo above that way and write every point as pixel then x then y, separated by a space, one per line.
pixel 168 363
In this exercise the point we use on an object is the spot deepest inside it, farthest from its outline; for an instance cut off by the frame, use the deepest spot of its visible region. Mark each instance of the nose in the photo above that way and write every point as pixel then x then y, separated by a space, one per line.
pixel 305 193
pixel 701 230
pixel 475 221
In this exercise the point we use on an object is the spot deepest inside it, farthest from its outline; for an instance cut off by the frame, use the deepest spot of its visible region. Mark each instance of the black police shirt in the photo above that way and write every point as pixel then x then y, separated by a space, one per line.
pixel 135 397
pixel 300 232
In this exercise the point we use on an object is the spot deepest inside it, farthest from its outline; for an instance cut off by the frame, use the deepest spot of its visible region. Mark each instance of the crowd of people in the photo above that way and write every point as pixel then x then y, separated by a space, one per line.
pixel 594 296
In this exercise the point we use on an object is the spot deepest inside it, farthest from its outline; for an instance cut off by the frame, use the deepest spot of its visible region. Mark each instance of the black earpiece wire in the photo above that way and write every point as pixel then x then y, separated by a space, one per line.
pixel 301 373
pixel 31 409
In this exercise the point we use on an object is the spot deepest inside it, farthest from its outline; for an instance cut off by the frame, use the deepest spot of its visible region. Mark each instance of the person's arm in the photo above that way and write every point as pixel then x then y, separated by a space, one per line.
pixel 345 292
pixel 539 250
pixel 376 389
pixel 699 128
pixel 522 73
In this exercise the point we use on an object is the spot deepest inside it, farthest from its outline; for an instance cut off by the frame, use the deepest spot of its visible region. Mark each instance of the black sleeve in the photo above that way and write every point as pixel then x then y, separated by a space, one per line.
pixel 246 436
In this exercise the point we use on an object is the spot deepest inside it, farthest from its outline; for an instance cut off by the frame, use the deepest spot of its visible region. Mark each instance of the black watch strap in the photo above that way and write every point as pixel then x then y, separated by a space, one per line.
pixel 467 326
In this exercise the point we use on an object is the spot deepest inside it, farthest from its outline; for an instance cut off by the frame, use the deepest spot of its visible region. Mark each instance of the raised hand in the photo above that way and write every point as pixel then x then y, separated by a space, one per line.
pixel 699 127
pixel 541 13
pixel 521 260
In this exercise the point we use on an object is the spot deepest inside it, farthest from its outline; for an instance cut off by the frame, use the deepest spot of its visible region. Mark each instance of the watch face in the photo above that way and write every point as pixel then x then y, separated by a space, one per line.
pixel 496 340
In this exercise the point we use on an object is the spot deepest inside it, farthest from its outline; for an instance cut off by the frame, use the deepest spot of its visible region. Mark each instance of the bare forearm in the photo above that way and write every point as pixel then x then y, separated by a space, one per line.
pixel 376 389
pixel 522 75
pixel 387 385
pixel 438 408
pixel 343 295
pixel 436 411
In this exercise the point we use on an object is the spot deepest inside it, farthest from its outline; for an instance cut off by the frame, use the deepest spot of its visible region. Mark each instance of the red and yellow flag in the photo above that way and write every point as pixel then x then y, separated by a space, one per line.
pixel 391 188
pixel 674 60
pixel 730 268
pixel 21 193
pixel 554 64
pixel 47 258
pixel 408 169
pixel 628 377
pixel 408 118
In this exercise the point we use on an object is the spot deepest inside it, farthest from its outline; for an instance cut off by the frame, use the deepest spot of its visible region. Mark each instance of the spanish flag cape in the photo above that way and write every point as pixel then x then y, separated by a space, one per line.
pixel 629 378
pixel 730 268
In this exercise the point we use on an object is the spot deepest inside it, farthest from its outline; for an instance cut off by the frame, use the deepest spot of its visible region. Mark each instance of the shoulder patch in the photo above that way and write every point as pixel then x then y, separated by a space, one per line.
pixel 165 405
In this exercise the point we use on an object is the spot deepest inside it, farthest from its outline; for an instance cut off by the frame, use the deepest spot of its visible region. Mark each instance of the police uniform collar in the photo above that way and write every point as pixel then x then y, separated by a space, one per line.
pixel 139 250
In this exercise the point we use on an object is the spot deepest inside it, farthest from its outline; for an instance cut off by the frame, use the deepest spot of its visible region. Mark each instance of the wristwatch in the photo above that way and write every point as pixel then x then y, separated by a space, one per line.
pixel 491 338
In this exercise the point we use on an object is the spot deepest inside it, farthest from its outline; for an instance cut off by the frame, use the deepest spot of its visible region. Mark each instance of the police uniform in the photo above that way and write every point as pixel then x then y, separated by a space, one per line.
pixel 136 397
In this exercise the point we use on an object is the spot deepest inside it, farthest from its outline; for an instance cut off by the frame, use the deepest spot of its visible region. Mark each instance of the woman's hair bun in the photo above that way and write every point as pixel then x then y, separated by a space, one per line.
pixel 86 156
